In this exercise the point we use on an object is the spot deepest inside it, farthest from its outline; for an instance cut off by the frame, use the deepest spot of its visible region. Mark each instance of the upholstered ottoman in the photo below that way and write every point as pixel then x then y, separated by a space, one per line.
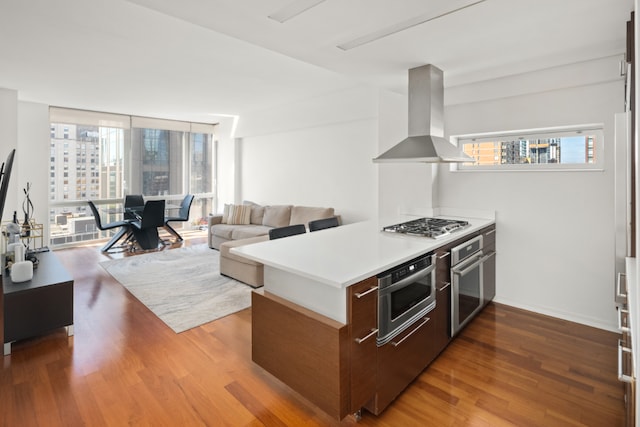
pixel 241 268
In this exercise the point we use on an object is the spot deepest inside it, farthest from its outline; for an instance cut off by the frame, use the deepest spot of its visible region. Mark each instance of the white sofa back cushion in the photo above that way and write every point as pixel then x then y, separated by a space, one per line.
pixel 276 216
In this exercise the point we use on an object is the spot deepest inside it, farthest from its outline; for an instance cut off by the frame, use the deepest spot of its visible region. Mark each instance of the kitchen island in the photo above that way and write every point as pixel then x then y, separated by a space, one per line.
pixel 313 321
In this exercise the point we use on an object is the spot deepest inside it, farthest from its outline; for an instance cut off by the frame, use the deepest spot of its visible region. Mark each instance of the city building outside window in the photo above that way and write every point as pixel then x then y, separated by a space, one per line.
pixel 103 156
pixel 567 148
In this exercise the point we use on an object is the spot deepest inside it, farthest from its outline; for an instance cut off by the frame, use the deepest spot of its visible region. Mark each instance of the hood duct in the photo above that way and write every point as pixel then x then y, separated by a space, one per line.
pixel 425 142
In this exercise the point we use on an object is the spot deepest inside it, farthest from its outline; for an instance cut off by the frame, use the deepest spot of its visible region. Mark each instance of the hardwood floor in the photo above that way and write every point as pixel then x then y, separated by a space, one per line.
pixel 125 367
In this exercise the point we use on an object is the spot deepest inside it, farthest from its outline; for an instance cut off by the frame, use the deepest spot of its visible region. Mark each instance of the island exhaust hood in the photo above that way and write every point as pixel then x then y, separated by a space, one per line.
pixel 425 143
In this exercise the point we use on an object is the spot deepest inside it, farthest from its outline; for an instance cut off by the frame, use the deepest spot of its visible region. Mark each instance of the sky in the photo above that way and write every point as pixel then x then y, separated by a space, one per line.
pixel 572 149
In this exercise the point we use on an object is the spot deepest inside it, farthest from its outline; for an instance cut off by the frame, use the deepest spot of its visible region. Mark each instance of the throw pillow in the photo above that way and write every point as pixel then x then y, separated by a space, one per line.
pixel 239 215
pixel 276 216
pixel 257 212
pixel 225 213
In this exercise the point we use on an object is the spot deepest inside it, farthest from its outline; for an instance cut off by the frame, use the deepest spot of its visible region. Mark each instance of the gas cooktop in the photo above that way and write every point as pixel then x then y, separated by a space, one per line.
pixel 427 227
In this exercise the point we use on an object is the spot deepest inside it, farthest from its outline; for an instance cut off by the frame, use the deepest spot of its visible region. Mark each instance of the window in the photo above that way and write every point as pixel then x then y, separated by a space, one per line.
pixel 103 156
pixel 578 147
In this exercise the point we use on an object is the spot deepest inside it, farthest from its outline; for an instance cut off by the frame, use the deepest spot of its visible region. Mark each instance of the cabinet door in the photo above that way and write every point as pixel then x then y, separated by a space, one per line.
pixel 442 313
pixel 363 327
pixel 402 360
pixel 442 318
pixel 489 266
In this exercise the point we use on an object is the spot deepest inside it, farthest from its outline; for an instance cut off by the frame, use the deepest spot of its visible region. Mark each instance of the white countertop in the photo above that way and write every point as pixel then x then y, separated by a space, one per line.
pixel 342 256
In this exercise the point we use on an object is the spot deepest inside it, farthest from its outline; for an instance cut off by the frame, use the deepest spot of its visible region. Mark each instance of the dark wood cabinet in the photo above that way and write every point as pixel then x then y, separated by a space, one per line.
pixel 363 327
pixel 489 266
pixel 39 305
pixel 339 366
pixel 303 349
pixel 402 360
pixel 442 312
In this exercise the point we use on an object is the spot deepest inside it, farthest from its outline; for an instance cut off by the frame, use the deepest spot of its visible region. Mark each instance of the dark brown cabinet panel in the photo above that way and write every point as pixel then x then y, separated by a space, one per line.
pixel 339 366
pixel 305 350
pixel 363 327
pixel 39 305
pixel 402 360
pixel 442 312
pixel 489 266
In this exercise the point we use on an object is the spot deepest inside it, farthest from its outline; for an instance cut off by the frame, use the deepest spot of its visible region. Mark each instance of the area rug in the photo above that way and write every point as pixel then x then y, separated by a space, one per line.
pixel 182 286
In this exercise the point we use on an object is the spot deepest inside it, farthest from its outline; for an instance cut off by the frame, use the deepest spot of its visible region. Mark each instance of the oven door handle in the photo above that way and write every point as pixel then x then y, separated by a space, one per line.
pixel 424 322
pixel 468 266
pixel 488 256
pixel 414 277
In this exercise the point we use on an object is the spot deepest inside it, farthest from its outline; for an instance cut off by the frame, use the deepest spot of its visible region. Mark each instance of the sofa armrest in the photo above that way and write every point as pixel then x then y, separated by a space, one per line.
pixel 212 220
pixel 215 219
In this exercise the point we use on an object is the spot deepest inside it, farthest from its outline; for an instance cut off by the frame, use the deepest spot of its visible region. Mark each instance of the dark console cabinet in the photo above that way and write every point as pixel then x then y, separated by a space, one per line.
pixel 39 305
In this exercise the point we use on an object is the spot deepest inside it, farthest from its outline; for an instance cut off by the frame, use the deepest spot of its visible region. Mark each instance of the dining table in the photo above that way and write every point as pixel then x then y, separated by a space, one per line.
pixel 126 231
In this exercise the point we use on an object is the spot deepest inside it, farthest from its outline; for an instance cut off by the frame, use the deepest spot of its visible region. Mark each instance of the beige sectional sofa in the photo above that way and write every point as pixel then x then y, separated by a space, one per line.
pixel 261 219
pixel 236 227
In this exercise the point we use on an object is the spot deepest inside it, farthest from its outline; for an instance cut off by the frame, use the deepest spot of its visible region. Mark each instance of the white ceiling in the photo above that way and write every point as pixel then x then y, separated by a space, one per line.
pixel 194 59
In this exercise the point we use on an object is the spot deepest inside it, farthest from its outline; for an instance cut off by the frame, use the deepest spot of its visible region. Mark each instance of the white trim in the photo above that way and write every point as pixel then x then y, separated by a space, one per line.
pixel 564 315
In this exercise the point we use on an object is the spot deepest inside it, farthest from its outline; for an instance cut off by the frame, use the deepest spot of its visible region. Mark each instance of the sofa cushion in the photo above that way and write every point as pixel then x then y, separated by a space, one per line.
pixel 227 246
pixel 225 213
pixel 277 216
pixel 223 230
pixel 304 214
pixel 246 231
pixel 257 212
pixel 239 215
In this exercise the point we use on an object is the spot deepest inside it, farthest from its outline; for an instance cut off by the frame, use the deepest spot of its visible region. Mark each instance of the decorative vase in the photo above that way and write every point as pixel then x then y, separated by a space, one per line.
pixel 26 227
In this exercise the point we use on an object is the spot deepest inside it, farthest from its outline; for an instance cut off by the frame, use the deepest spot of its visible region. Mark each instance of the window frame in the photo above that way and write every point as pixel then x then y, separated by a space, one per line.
pixel 596 129
pixel 63 120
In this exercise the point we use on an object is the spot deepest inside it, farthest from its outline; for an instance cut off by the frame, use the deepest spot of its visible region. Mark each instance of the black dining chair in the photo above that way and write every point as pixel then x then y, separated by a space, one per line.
pixel 289 230
pixel 123 224
pixel 321 224
pixel 183 215
pixel 145 230
pixel 132 201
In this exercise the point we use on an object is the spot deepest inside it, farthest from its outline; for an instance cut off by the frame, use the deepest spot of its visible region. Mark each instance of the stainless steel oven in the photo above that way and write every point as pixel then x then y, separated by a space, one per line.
pixel 466 282
pixel 406 294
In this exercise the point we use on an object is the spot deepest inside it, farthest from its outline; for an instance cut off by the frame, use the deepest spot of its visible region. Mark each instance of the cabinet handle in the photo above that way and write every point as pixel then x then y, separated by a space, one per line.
pixel 621 375
pixel 360 295
pixel 446 285
pixel 424 322
pixel 490 232
pixel 444 255
pixel 372 333
pixel 619 294
pixel 623 314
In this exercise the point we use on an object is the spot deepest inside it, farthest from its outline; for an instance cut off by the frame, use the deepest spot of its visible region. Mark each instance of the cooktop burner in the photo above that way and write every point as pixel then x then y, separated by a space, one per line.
pixel 427 227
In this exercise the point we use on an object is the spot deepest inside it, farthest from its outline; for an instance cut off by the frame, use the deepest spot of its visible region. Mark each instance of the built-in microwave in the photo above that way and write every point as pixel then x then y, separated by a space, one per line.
pixel 406 293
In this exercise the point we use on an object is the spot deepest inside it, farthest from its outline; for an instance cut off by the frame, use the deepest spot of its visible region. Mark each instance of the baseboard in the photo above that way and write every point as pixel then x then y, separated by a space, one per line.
pixel 571 317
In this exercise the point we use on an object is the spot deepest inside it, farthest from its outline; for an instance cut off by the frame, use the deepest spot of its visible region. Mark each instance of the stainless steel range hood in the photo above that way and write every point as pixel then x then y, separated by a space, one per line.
pixel 425 142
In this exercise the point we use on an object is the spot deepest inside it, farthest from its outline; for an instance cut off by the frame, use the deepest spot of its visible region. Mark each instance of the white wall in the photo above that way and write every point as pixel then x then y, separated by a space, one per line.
pixel 9 141
pixel 33 160
pixel 25 127
pixel 555 237
pixel 555 229
pixel 225 135
pixel 403 187
pixel 316 153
